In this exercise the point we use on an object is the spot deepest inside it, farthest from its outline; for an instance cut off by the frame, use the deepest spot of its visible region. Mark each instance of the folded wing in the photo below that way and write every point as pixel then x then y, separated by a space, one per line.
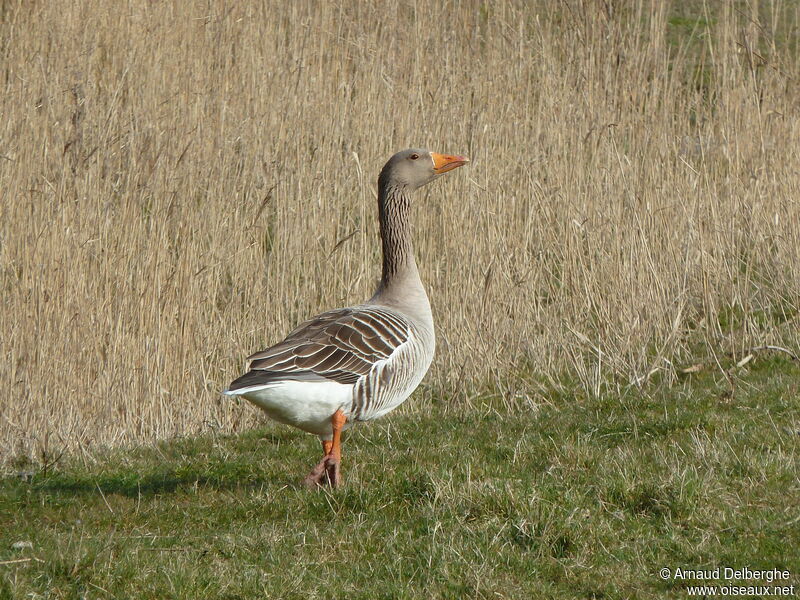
pixel 340 345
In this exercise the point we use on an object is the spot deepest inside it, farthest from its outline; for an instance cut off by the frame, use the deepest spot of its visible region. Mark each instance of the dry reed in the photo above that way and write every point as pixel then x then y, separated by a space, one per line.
pixel 181 182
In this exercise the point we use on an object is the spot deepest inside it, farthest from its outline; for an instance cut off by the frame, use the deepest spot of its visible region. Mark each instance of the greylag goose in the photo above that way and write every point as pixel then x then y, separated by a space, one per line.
pixel 361 362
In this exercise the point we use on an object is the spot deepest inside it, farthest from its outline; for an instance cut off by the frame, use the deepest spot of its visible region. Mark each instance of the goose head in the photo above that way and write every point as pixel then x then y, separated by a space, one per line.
pixel 416 167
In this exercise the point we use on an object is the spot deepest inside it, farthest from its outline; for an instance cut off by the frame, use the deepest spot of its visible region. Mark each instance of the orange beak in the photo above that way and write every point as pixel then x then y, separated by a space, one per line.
pixel 442 163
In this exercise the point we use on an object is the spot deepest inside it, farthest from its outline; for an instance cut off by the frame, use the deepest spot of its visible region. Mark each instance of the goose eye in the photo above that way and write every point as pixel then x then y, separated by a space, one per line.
pixel 414 156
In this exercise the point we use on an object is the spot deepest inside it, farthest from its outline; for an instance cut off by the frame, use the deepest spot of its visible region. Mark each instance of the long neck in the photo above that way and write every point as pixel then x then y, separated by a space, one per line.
pixel 394 208
pixel 400 283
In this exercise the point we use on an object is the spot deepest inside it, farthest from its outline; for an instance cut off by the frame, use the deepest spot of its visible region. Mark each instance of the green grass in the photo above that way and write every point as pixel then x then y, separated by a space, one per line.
pixel 584 498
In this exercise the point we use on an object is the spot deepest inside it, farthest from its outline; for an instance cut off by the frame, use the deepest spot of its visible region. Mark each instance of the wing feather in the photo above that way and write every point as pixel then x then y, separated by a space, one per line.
pixel 340 345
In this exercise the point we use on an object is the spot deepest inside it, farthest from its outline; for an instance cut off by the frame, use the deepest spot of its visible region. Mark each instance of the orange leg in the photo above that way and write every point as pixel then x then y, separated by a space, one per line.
pixel 337 422
pixel 327 471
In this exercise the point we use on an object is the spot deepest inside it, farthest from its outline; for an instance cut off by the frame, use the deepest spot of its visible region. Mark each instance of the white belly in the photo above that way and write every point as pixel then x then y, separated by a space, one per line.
pixel 307 405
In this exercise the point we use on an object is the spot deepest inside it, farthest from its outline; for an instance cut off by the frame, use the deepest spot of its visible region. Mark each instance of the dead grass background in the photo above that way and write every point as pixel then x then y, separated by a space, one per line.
pixel 181 182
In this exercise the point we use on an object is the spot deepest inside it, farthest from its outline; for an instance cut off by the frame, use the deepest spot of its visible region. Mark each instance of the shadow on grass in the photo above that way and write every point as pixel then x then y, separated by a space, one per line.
pixel 149 484
pixel 179 465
